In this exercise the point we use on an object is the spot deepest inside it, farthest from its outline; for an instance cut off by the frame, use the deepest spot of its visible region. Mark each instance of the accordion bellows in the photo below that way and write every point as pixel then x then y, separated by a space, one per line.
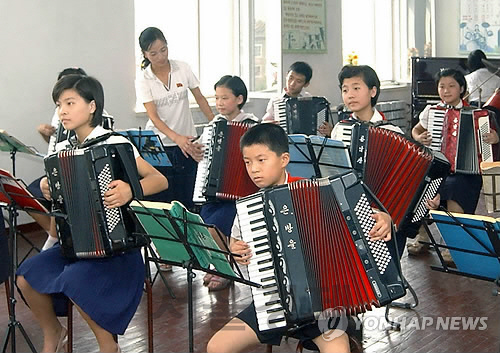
pixel 312 252
pixel 222 173
pixel 401 173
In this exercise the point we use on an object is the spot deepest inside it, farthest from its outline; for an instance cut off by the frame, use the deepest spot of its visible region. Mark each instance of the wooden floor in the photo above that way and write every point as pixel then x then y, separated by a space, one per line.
pixel 438 324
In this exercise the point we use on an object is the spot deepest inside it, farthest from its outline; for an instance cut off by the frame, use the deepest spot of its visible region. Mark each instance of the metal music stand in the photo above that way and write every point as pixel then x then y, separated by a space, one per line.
pixel 16 197
pixel 187 243
pixel 317 157
pixel 9 143
pixel 473 242
pixel 149 146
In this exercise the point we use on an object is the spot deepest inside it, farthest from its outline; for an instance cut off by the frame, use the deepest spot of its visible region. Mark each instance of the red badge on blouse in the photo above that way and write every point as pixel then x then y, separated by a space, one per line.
pixel 179 84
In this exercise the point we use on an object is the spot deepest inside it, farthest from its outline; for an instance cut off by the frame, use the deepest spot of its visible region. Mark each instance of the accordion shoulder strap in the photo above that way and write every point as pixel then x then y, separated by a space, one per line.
pixel 131 171
pixel 97 139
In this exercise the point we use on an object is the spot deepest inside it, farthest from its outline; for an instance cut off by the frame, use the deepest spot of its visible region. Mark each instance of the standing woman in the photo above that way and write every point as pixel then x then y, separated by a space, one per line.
pixel 163 89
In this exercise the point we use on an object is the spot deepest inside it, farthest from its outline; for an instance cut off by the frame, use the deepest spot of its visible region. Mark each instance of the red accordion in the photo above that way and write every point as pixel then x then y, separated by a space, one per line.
pixel 402 174
pixel 222 173
pixel 457 133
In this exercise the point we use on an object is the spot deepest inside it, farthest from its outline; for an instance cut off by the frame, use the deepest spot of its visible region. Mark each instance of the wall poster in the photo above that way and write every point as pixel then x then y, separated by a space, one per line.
pixel 303 26
pixel 480 26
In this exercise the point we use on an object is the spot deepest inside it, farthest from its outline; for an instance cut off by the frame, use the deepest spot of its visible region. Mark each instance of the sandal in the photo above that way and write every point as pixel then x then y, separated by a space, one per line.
pixel 63 341
pixel 165 268
pixel 207 278
pixel 218 283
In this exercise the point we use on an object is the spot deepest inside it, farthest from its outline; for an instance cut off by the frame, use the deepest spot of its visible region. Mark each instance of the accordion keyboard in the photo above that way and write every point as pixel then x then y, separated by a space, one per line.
pixel 343 132
pixel 280 113
pixel 269 311
pixel 436 122
pixel 203 166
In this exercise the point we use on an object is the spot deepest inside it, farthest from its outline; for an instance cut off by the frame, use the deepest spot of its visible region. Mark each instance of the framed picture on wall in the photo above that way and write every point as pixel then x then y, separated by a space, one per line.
pixel 479 26
pixel 303 26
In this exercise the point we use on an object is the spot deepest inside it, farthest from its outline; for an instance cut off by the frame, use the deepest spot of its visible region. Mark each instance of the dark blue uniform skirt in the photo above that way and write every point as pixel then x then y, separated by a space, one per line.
pixel 221 214
pixel 463 189
pixel 108 290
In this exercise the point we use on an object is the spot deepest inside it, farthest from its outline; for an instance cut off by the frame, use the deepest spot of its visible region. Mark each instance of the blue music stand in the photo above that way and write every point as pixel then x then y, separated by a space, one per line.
pixel 473 242
pixel 149 146
pixel 317 157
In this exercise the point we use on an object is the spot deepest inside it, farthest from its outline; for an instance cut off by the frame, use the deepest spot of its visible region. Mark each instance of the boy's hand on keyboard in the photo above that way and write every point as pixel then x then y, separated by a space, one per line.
pixel 241 248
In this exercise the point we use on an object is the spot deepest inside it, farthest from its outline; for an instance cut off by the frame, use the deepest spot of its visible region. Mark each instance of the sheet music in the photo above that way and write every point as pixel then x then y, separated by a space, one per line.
pixel 149 146
pixel 18 192
pixel 9 143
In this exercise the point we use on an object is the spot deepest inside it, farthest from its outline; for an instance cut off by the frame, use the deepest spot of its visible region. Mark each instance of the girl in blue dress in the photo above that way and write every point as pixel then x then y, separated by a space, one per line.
pixel 105 291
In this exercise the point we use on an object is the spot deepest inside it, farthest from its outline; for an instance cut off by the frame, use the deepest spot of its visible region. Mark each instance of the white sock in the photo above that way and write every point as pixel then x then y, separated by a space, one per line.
pixel 49 242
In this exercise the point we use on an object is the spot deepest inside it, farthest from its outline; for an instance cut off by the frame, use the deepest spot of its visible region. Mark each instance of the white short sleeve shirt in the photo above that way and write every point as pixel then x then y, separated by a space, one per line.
pixel 172 102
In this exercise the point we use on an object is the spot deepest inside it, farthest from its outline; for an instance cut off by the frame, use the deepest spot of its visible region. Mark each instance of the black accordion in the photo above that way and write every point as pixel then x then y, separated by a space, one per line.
pixel 302 115
pixel 401 173
pixel 312 252
pixel 78 180
pixel 222 173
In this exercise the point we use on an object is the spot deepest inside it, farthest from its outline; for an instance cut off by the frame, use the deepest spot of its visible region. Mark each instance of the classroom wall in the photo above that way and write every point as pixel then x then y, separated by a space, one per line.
pixel 327 66
pixel 41 38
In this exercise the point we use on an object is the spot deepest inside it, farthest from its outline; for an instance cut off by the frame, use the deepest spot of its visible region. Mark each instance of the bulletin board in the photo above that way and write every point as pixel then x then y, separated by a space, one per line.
pixel 479 26
pixel 303 26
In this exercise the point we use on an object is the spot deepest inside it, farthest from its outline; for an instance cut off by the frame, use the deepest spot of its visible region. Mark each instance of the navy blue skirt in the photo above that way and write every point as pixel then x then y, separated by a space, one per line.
pixel 108 290
pixel 304 334
pixel 221 214
pixel 464 189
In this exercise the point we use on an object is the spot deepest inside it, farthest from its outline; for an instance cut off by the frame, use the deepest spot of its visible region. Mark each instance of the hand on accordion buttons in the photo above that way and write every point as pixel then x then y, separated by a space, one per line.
pixel 44 187
pixel 325 129
pixel 382 228
pixel 118 194
pixel 239 247
pixel 434 203
pixel 491 137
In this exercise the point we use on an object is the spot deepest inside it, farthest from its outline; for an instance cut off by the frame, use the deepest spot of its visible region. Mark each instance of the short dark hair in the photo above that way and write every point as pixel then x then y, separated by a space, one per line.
pixel 71 71
pixel 267 134
pixel 236 85
pixel 302 68
pixel 366 73
pixel 474 60
pixel 88 88
pixel 146 38
pixel 456 74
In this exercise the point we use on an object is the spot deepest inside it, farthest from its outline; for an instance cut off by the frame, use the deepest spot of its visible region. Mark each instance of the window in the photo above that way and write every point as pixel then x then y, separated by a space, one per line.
pixel 377 36
pixel 260 24
pixel 229 37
